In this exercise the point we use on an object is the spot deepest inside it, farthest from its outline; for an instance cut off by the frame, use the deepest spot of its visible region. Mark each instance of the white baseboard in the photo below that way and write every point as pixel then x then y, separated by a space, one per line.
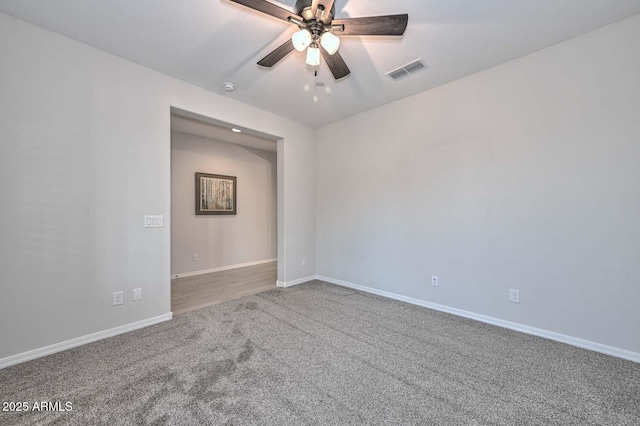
pixel 222 268
pixel 79 341
pixel 288 284
pixel 573 341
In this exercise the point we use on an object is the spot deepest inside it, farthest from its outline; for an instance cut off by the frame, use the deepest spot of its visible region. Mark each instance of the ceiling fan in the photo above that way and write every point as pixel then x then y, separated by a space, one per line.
pixel 318 31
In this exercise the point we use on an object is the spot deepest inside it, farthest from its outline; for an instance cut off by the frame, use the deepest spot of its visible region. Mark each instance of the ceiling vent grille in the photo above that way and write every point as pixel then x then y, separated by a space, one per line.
pixel 406 70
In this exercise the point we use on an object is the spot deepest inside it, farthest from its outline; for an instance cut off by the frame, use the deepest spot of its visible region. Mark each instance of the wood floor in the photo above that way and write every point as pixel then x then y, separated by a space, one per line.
pixel 192 293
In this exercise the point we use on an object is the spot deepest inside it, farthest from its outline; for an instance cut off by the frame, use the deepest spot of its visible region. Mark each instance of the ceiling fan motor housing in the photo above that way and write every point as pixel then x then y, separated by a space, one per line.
pixel 303 8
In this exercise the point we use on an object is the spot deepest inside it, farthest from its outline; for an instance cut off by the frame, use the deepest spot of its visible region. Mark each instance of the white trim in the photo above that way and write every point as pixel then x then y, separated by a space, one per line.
pixel 79 341
pixel 283 284
pixel 222 268
pixel 573 341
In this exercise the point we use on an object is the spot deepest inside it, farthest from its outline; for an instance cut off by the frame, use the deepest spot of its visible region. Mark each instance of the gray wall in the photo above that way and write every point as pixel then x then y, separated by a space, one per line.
pixel 221 241
pixel 525 176
pixel 85 151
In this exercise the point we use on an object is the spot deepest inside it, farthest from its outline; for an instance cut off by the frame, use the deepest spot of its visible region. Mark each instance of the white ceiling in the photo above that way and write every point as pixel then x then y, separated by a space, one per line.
pixel 208 42
pixel 203 128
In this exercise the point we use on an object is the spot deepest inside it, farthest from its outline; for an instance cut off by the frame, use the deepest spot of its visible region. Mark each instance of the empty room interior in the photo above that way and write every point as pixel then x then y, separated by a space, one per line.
pixel 260 212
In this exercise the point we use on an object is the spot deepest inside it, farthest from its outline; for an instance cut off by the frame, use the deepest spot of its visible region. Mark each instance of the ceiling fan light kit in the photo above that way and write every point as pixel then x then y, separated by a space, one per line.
pixel 301 40
pixel 313 56
pixel 318 28
pixel 330 43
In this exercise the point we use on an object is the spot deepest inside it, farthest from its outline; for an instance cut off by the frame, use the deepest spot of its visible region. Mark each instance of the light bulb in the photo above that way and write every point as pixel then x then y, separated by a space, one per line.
pixel 313 56
pixel 330 43
pixel 301 40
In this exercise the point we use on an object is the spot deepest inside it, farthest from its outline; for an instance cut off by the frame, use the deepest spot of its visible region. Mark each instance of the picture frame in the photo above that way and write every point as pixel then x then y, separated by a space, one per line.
pixel 216 194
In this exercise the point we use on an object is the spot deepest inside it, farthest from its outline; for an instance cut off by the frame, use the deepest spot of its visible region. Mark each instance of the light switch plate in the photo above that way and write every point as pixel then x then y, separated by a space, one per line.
pixel 154 221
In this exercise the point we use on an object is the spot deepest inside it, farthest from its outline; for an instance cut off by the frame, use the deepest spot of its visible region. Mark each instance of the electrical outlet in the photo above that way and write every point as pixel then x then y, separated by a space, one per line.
pixel 434 281
pixel 137 293
pixel 514 296
pixel 118 298
pixel 195 257
pixel 304 261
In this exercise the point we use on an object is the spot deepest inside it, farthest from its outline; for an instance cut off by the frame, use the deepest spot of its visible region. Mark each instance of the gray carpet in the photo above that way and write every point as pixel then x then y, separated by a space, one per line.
pixel 324 355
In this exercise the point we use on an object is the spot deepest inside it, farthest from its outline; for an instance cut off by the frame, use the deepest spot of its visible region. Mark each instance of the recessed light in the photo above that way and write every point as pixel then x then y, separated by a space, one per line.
pixel 236 130
pixel 229 87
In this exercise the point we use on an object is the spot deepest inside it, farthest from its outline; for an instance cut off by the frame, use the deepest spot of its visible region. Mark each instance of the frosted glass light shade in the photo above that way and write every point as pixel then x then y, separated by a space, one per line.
pixel 313 56
pixel 330 43
pixel 301 40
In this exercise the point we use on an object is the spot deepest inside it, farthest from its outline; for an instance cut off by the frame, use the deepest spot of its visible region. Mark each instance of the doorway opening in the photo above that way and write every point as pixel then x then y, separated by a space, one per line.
pixel 224 211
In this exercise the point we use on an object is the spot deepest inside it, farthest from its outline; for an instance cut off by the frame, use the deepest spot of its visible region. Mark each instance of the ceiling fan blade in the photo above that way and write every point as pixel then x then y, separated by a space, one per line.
pixel 336 64
pixel 268 8
pixel 277 55
pixel 389 25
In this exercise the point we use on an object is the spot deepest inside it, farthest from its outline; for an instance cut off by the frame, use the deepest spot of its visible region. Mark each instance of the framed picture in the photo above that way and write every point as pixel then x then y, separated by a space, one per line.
pixel 215 194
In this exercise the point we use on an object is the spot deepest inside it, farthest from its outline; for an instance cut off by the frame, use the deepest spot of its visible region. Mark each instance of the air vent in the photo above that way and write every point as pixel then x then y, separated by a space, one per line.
pixel 406 70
